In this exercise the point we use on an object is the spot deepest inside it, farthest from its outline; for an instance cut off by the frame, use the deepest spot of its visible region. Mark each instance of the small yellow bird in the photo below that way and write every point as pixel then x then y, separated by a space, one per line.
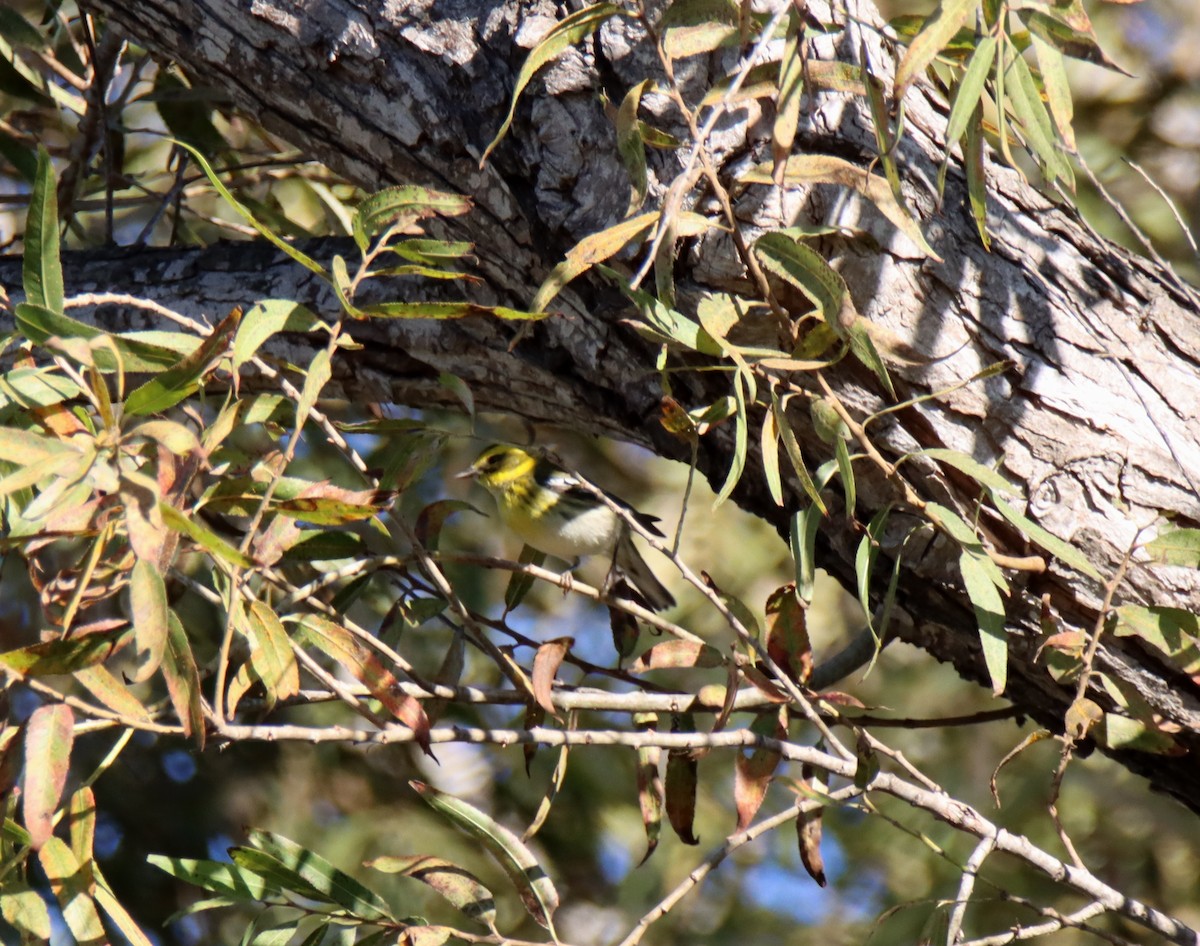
pixel 553 512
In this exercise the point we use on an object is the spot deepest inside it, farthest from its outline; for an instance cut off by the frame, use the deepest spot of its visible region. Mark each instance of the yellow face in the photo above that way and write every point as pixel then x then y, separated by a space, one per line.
pixel 500 465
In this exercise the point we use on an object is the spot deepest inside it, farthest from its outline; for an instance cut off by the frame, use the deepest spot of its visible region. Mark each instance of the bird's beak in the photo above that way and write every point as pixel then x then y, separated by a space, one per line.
pixel 466 474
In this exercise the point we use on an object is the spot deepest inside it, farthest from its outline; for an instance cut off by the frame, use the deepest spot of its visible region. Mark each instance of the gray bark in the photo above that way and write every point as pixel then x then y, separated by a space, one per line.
pixel 1096 417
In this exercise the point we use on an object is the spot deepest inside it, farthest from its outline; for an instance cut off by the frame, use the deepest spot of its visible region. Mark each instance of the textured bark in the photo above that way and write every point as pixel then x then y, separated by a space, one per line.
pixel 1096 417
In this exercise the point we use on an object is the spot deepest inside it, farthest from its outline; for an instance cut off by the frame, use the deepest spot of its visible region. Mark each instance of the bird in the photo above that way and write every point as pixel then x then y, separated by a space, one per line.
pixel 552 511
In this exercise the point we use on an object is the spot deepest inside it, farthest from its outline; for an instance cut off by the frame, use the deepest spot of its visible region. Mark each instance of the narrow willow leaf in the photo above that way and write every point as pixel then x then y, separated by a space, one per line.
pixel 1027 106
pixel 533 885
pixel 885 137
pixel 803 542
pixel 1058 89
pixel 983 475
pixel 1078 44
pixel 977 176
pixel 740 441
pixel 752 773
pixel 263 230
pixel 520 584
pixel 864 563
pixel 183 378
pixel 649 785
pixel 338 886
pixel 70 886
pixel 846 472
pixel 589 251
pixel 676 654
pixel 770 456
pixel 41 268
pixel 271 653
pixel 1051 543
pixel 865 351
pixel 221 877
pixel 25 911
pixel 1175 546
pixel 630 145
pixel 969 90
pixel 409 201
pixel 989 613
pixel 787 103
pixel 792 446
pixel 148 607
pixel 827 169
pixel 202 536
pixel 805 269
pixel 183 680
pixel 63 656
pixel 939 29
pixel 266 318
pixel 787 638
pixel 39 324
pixel 563 34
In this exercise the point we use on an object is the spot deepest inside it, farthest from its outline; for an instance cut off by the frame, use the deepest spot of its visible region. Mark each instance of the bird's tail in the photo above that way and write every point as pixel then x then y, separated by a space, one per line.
pixel 631 564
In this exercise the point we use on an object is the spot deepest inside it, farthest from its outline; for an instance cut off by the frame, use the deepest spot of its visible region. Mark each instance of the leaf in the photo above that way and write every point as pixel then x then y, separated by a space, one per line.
pixel 48 739
pixel 769 446
pixel 787 633
pixel 649 785
pixel 680 791
pixel 338 886
pixel 589 251
pixel 563 34
pixel 266 318
pixel 202 536
pixel 983 475
pixel 40 324
pixel 183 378
pixel 937 32
pixel 787 103
pixel 740 446
pixel 271 654
pixel 969 90
pixel 69 884
pixel 630 145
pixel 25 911
pixel 802 540
pixel 106 687
pixel 183 680
pixel 678 654
pixel 792 446
pixel 858 331
pixel 445 310
pixel 1076 43
pixel 546 661
pixel 336 641
pixel 264 231
pixel 1061 550
pixel 41 268
pixel 1058 89
pixel 989 613
pixel 456 884
pixel 220 877
pixel 406 202
pixel 803 267
pixel 148 609
pixel 846 472
pixel 1121 732
pixel 533 885
pixel 808 837
pixel 520 584
pixel 1173 546
pixel 1030 111
pixel 752 773
pixel 63 656
pixel 977 176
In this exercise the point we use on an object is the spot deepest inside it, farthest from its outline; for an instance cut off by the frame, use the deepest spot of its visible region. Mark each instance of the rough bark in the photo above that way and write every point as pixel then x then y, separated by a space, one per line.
pixel 1096 416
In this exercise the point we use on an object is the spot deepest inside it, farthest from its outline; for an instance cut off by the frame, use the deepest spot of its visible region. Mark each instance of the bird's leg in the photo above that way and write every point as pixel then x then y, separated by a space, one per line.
pixel 566 581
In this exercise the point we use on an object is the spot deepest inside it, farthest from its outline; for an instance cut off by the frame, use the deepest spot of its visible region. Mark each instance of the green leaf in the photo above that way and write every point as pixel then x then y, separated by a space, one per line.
pixel 459 886
pixel 38 324
pixel 183 378
pixel 865 351
pixel 770 456
pixel 1175 546
pixel 266 318
pixel 630 145
pixel 805 269
pixel 333 884
pixel 183 680
pixel 202 536
pixel 445 310
pixel 989 613
pixel 563 34
pixel 41 268
pixel 983 475
pixel 589 251
pixel 1058 89
pixel 792 446
pixel 1027 106
pixel 937 32
pixel 220 877
pixel 846 472
pixel 741 436
pixel 1174 631
pixel 977 176
pixel 268 234
pixel 51 658
pixel 802 539
pixel 1048 28
pixel 407 202
pixel 791 87
pixel 533 885
pixel 1061 550
pixel 69 882
pixel 969 91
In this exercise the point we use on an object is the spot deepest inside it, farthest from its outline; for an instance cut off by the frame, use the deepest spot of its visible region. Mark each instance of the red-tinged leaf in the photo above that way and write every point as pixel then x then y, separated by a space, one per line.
pixel 424 935
pixel 271 653
pixel 364 666
pixel 456 884
pixel 148 607
pixel 81 812
pixel 649 785
pixel 170 387
pixel 70 889
pixel 183 680
pixel 64 656
pixel 546 661
pixel 48 739
pixel 1081 716
pixel 1071 643
pixel 676 654
pixel 808 835
pixel 837 698
pixel 534 886
pixel 99 681
pixel 680 793
pixel 787 634
pixel 753 772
